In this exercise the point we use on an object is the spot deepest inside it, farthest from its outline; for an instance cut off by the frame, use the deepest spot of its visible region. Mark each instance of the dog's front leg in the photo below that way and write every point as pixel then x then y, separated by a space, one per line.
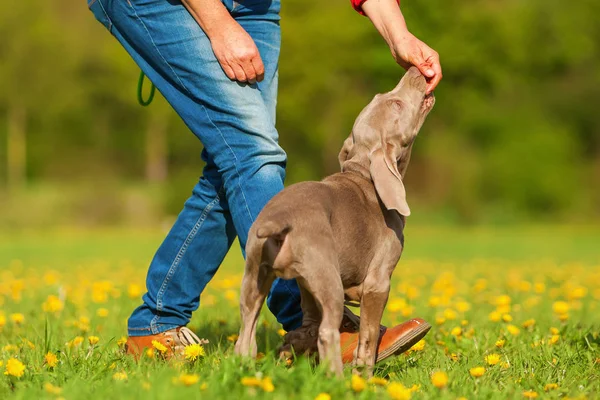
pixel 375 295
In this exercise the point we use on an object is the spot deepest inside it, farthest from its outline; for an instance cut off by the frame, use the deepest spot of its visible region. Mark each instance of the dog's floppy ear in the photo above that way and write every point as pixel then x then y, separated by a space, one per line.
pixel 346 148
pixel 387 179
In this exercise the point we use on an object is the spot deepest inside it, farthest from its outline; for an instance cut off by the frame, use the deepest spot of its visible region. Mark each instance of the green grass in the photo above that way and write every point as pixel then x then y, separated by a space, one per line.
pixel 442 270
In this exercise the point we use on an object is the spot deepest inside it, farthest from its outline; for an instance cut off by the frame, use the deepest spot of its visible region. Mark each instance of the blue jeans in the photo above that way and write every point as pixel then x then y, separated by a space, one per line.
pixel 245 166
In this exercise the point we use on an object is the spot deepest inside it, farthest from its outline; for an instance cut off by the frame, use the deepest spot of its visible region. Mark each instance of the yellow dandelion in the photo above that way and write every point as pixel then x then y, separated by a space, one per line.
pixel 378 381
pixel 121 342
pixel 51 360
pixel 505 365
pixel 560 307
pixel 462 306
pixel 439 320
pixel 159 346
pixel 530 394
pixel 495 316
pixel 492 359
pixel 281 332
pixel 507 318
pixel 454 357
pixel 251 381
pixel 439 379
pixel 14 368
pixel 464 322
pixel 554 331
pixel 52 304
pixel 456 331
pixel 554 339
pixel 134 291
pixel 357 383
pixel 50 388
pixel 550 386
pixel 563 317
pixel 150 352
pixel 10 348
pixel 476 372
pixel 102 312
pixel 93 340
pixel 529 323
pixel 503 300
pixel 2 321
pixel 500 343
pixel 233 338
pixel 267 385
pixel 188 379
pixel 555 361
pixel 414 388
pixel 419 346
pixel 193 352
pixel 17 318
pixel 120 376
pixel 323 396
pixel 398 391
pixel 513 330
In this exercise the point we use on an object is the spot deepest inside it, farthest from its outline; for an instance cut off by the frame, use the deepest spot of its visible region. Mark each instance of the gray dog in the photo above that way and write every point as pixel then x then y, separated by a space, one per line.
pixel 341 238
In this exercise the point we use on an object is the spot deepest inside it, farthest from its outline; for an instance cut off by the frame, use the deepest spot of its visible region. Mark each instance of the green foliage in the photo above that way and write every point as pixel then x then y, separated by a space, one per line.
pixel 514 133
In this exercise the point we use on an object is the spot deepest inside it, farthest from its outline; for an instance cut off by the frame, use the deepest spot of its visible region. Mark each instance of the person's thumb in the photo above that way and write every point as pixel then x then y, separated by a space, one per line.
pixel 426 70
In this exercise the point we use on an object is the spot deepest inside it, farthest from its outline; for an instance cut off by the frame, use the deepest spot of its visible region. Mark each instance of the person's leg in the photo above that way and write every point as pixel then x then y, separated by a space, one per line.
pixel 284 297
pixel 237 130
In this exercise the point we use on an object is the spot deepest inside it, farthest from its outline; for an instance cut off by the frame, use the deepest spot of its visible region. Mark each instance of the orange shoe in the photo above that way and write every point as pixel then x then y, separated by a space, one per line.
pixel 174 340
pixel 392 341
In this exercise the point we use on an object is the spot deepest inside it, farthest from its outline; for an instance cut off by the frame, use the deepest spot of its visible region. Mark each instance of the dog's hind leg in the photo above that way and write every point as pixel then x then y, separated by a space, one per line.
pixel 328 292
pixel 256 284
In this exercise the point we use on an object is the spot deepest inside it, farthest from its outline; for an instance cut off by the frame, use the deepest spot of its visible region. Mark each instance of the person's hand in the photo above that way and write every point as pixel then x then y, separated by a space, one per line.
pixel 237 53
pixel 409 51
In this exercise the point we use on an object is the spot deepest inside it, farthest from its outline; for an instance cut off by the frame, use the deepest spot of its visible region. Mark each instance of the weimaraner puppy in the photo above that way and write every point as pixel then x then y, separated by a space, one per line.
pixel 341 238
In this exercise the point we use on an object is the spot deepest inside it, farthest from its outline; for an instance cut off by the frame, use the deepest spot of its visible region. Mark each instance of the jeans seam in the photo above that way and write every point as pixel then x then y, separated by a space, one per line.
pixel 175 264
pixel 110 24
pixel 157 49
pixel 235 164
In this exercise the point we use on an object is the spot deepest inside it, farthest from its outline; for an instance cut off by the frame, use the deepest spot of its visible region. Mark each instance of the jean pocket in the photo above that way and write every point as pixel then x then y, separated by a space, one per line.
pixel 99 11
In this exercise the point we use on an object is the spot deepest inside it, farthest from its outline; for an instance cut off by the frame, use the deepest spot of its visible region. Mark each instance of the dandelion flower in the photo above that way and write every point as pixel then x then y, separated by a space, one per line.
pixel 550 386
pixel 267 385
pixel 419 346
pixel 507 318
pixel 102 312
pixel 17 318
pixel 51 360
pixel 513 330
pixel 189 379
pixel 232 338
pixel 492 359
pixel 378 381
pixel 439 379
pixel 150 352
pixel 554 339
pixel 121 342
pixel 159 346
pixel 357 383
pixel 93 340
pixel 251 381
pixel 530 394
pixel 134 291
pixel 323 396
pixel 398 391
pixel 560 307
pixel 52 304
pixel 14 368
pixel 50 388
pixel 193 352
pixel 476 372
pixel 495 316
pixel 500 343
pixel 529 323
pixel 120 376
pixel 456 331
pixel 281 332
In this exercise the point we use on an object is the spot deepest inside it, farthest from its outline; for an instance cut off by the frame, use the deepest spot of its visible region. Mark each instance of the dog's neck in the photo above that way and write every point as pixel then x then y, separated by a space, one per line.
pixel 356 167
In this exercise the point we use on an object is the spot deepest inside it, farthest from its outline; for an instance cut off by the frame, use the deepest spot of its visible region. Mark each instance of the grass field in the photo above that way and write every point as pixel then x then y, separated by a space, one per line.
pixel 521 304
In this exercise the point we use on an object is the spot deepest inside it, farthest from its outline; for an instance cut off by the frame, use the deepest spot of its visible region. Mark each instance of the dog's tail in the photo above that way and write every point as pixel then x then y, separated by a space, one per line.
pixel 275 229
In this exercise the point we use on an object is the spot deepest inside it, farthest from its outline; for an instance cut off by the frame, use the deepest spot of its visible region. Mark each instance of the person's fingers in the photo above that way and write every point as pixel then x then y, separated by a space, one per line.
pixel 227 69
pixel 259 68
pixel 249 71
pixel 437 77
pixel 240 75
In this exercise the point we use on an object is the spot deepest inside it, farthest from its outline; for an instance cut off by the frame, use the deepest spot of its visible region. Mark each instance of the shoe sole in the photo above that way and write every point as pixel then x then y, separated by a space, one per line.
pixel 405 343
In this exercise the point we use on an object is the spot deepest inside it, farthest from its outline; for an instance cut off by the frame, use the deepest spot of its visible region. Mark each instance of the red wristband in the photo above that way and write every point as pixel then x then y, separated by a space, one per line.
pixel 357 4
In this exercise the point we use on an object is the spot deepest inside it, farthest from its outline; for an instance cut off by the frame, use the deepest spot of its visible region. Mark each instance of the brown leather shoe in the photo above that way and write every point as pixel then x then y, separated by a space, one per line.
pixel 174 340
pixel 392 341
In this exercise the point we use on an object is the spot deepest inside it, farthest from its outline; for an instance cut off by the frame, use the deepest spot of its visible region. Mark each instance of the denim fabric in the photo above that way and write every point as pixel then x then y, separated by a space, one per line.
pixel 245 166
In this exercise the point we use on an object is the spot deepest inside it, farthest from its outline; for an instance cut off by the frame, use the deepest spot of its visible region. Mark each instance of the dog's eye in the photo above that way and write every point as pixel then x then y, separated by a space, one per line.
pixel 398 104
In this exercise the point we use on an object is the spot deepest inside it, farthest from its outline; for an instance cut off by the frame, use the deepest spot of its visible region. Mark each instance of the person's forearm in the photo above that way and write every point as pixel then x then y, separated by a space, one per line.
pixel 211 15
pixel 387 19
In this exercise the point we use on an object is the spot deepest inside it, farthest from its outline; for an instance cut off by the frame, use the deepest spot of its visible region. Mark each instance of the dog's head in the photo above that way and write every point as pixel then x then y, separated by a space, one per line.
pixel 383 135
